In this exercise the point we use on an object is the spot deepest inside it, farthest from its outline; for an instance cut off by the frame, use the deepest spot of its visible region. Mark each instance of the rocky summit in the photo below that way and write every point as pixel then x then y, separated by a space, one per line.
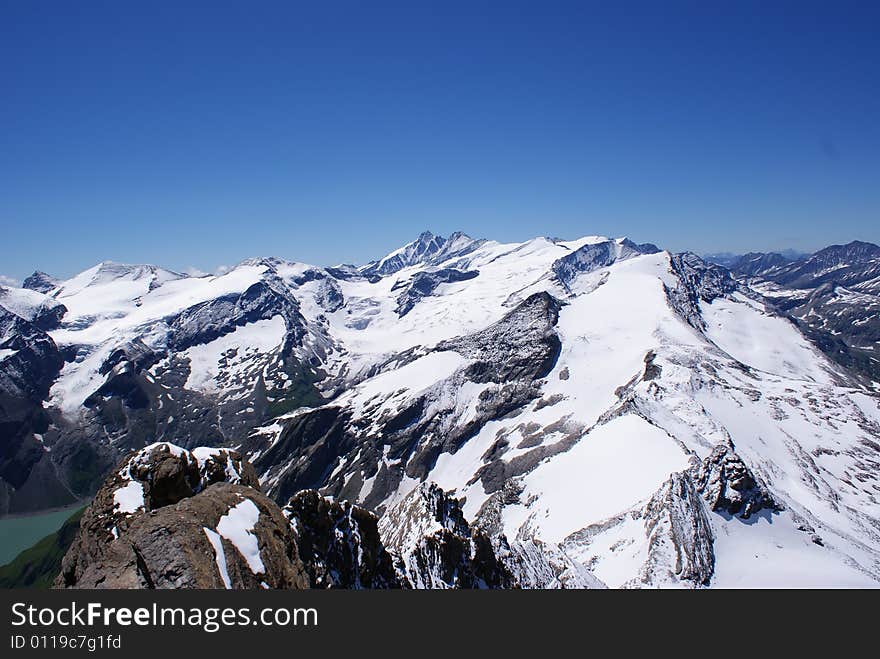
pixel 172 518
pixel 460 413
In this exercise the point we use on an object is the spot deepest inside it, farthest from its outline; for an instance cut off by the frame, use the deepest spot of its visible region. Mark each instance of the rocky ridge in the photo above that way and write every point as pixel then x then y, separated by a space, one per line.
pixel 173 518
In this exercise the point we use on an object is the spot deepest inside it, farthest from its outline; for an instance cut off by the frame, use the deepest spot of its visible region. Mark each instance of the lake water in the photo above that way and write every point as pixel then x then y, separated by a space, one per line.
pixel 19 533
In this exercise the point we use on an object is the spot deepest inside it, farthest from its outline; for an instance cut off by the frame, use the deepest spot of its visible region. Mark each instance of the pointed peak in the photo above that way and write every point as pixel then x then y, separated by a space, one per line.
pixel 41 282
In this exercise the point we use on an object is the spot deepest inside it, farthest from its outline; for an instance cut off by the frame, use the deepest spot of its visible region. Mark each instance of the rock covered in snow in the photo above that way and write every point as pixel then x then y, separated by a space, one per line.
pixel 35 307
pixel 424 283
pixel 436 545
pixel 427 249
pixel 29 363
pixel 679 535
pixel 172 518
pixel 594 256
pixel 697 280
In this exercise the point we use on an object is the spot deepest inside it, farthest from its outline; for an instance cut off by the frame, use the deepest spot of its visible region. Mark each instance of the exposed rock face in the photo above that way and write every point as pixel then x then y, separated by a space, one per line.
pixel 728 485
pixel 755 263
pixel 832 295
pixel 697 280
pixel 168 474
pixel 533 563
pixel 146 527
pixel 597 255
pixel 184 545
pixel 29 362
pixel 41 282
pixel 507 357
pixel 209 320
pixel 426 249
pixel 521 346
pixel 339 544
pixel 680 536
pixel 436 545
pixel 541 565
pixel 35 307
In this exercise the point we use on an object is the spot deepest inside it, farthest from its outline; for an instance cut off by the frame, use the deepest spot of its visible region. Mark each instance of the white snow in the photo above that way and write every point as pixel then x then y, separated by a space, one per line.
pixel 786 413
pixel 24 302
pixel 769 343
pixel 585 485
pixel 767 551
pixel 219 556
pixel 246 341
pixel 237 526
pixel 130 497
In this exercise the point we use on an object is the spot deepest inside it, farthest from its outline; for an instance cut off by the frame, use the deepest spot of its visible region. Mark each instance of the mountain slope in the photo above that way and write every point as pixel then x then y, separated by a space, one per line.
pixel 833 295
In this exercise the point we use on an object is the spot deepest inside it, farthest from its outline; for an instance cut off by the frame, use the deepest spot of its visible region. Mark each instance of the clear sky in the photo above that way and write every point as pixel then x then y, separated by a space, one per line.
pixel 199 134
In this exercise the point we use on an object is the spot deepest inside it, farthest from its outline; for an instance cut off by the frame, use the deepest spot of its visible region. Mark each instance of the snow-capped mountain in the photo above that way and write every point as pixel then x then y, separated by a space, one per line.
pixel 643 418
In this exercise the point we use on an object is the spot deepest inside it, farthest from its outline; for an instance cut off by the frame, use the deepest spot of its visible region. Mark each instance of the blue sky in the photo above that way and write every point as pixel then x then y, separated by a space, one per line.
pixel 199 134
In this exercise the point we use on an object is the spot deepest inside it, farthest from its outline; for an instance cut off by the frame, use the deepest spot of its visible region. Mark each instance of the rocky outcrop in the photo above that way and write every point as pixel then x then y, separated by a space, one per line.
pixel 728 485
pixel 339 544
pixel 158 522
pixel 29 363
pixel 427 249
pixel 593 256
pixel 523 345
pixel 172 518
pixel 680 537
pixel 227 536
pixel 437 547
pixel 697 280
pixel 542 565
pixel 509 357
pixel 41 282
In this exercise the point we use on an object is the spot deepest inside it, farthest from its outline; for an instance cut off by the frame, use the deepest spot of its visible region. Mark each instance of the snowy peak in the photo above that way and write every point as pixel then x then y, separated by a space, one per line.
pixel 596 255
pixel 426 249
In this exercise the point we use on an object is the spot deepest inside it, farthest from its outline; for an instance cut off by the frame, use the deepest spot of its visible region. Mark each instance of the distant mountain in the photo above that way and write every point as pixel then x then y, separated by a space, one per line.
pixel 548 412
pixel 856 265
pixel 752 262
pixel 833 294
pixel 40 282
pixel 756 263
pixel 427 249
pixel 722 258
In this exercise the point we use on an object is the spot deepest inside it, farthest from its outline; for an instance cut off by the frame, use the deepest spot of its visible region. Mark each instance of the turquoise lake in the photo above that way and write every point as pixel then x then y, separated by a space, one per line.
pixel 19 533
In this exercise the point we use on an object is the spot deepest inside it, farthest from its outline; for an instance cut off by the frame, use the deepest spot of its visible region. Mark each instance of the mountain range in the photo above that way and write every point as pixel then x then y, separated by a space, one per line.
pixel 582 413
pixel 833 295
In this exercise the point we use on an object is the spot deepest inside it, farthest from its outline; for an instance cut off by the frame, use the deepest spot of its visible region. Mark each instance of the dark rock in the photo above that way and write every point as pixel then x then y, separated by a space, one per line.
pixel 173 538
pixel 339 544
pixel 698 281
pixel 171 548
pixel 40 282
pixel 728 485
